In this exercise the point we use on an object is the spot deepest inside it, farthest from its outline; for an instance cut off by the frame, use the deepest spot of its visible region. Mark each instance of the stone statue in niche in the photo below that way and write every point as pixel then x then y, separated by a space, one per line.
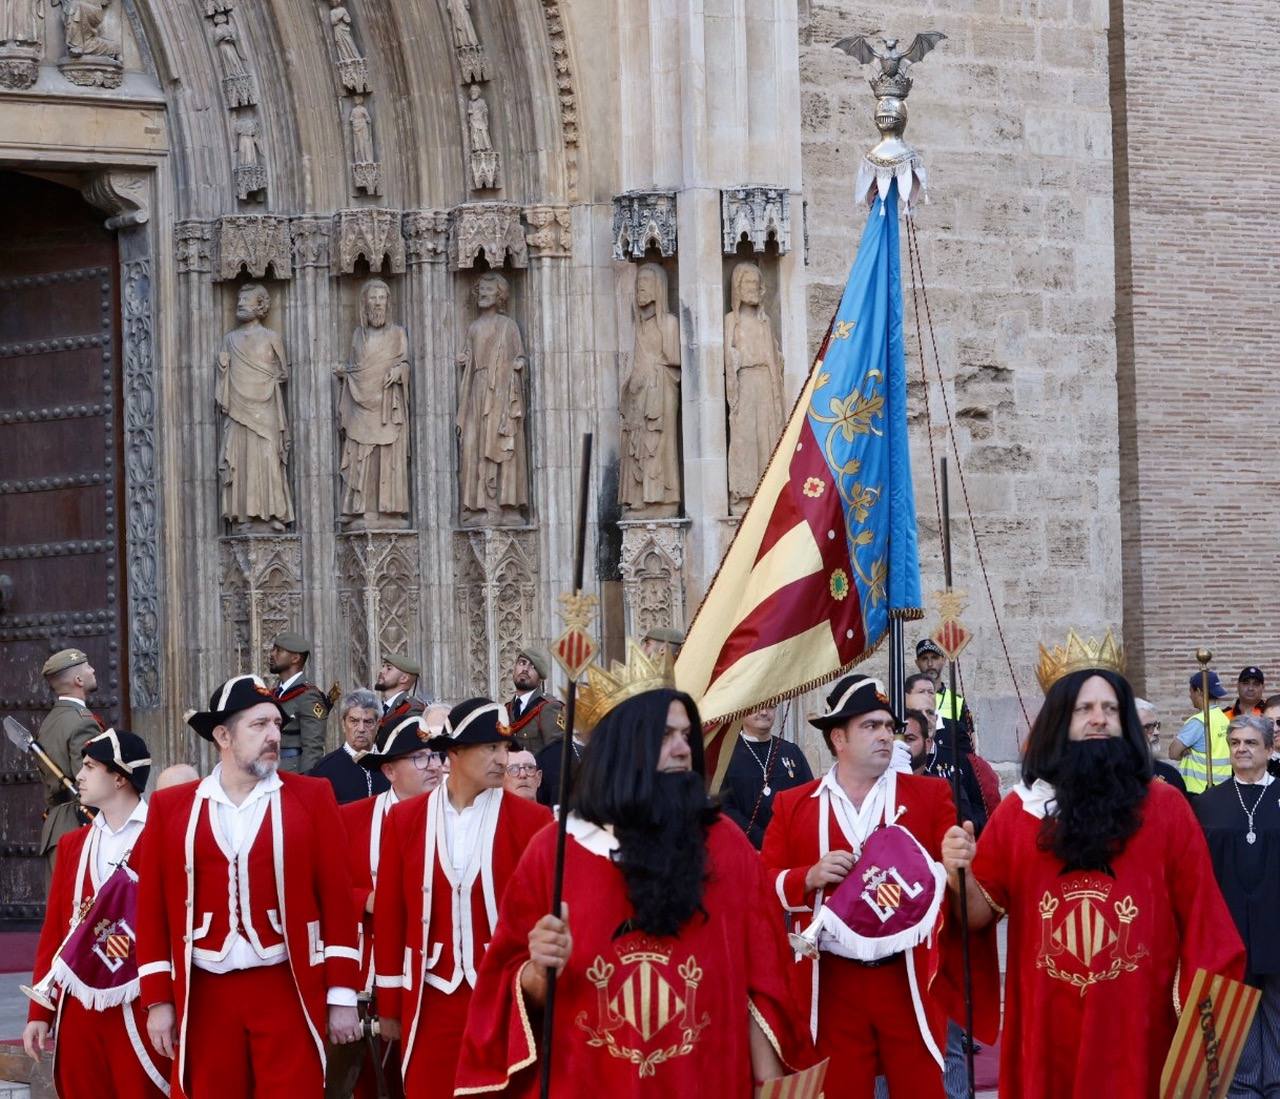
pixel 484 158
pixel 250 173
pixel 365 169
pixel 251 373
pixel 236 85
pixel 649 404
pixel 21 42
pixel 492 468
pixel 464 31
pixel 373 412
pixel 93 55
pixel 351 64
pixel 752 384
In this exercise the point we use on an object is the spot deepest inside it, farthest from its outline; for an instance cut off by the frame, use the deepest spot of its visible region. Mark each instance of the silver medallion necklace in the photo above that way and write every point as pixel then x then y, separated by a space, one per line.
pixel 764 767
pixel 1251 836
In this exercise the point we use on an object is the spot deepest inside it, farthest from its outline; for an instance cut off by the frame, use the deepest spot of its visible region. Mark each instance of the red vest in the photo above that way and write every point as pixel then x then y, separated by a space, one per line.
pixel 236 893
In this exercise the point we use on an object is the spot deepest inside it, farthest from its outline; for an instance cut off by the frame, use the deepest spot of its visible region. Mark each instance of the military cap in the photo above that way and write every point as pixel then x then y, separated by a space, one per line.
pixel 292 643
pixel 406 664
pixel 539 658
pixel 664 634
pixel 62 660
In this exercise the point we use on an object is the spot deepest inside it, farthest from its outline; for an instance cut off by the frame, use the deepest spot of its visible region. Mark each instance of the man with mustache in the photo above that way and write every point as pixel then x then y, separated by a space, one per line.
pixel 1107 883
pixel 247 953
pixel 671 960
pixel 445 861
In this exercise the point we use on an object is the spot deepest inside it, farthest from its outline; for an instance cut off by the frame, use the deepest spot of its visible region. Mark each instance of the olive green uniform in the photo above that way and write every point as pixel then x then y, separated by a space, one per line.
pixel 303 735
pixel 63 735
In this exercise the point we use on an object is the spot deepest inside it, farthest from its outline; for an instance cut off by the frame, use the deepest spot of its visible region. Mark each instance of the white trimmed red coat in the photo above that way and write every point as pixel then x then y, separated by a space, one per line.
pixel 363 821
pixel 415 903
pixel 73 885
pixel 308 902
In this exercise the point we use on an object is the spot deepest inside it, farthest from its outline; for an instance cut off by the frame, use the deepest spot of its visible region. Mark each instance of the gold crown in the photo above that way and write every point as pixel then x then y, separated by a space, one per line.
pixel 603 690
pixel 1078 654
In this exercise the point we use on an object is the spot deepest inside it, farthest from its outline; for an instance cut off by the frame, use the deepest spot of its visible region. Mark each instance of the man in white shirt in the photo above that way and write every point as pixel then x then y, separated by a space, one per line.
pixel 247 958
pixel 101 1040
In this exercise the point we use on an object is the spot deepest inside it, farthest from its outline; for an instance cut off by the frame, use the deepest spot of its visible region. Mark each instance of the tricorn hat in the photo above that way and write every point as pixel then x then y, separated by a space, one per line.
pixel 407 735
pixel 240 692
pixel 476 721
pixel 124 752
pixel 292 643
pixel 852 696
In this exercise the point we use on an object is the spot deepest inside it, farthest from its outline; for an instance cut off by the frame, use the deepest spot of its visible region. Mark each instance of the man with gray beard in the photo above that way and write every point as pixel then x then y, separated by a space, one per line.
pixel 247 959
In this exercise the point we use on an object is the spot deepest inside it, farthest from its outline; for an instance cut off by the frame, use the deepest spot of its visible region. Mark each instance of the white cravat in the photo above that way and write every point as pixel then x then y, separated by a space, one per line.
pixel 856 823
pixel 113 846
pixel 462 829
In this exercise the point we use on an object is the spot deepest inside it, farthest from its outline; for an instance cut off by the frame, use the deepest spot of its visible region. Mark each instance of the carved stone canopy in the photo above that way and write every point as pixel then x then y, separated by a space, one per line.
pixel 373 234
pixel 256 242
pixel 758 213
pixel 643 220
pixel 493 228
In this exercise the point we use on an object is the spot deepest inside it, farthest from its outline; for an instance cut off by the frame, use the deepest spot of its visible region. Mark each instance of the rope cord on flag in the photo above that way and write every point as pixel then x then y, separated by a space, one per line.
pixel 917 265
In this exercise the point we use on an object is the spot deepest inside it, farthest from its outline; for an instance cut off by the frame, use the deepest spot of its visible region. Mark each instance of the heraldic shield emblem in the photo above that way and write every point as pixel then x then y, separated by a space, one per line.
pixel 888 903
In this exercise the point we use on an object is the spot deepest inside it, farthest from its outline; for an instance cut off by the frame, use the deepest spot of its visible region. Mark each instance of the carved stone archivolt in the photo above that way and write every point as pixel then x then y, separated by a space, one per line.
pixel 495 599
pixel 484 158
pixel 375 235
pixel 379 594
pixel 653 587
pixel 260 581
pixel 366 171
pixel 250 172
pixel 258 243
pixel 559 41
pixel 757 215
pixel 644 220
pixel 237 83
pixel 550 233
pixel 492 228
pixel 21 42
pixel 426 235
pixel 352 69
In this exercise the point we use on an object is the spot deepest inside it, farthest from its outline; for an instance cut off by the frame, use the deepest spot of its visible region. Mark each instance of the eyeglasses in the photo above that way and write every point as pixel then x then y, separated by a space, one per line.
pixel 424 760
pixel 1150 727
pixel 515 770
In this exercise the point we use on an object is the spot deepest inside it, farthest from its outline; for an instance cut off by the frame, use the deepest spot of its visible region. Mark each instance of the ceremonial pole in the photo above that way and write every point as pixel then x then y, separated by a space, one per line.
pixel 1204 655
pixel 953 639
pixel 573 653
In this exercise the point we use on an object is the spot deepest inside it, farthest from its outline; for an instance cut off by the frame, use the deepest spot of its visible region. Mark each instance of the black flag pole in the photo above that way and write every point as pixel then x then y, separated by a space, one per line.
pixel 962 877
pixel 566 761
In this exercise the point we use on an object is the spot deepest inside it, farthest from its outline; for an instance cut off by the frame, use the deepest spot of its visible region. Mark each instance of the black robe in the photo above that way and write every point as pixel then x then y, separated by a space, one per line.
pixel 1248 873
pixel 349 780
pixel 742 795
pixel 972 805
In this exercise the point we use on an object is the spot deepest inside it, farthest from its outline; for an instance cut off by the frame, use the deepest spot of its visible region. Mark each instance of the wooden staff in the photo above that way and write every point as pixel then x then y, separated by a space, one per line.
pixel 566 762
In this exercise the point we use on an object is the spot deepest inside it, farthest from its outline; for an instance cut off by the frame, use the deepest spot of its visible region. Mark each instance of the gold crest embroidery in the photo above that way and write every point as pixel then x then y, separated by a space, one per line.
pixel 319 710
pixel 1080 941
pixel 643 1007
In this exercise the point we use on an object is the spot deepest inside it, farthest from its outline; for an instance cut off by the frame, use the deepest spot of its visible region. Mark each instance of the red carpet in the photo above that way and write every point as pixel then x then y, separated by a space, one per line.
pixel 18 951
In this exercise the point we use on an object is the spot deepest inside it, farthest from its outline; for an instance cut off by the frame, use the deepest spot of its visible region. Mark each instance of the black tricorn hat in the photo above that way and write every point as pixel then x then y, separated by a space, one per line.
pixel 852 696
pixel 241 692
pixel 476 721
pixel 403 738
pixel 124 752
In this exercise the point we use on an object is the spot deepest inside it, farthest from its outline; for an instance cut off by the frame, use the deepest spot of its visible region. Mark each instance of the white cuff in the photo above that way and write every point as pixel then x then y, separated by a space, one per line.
pixel 380 981
pixel 779 886
pixel 341 997
pixel 155 967
pixel 342 952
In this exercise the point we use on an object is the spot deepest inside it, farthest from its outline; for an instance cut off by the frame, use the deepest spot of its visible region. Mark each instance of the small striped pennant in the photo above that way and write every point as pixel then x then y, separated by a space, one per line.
pixel 799 1085
pixel 1209 1039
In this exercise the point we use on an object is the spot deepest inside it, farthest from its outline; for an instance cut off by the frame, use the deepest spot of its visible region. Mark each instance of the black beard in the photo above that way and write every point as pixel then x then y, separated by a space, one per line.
pixel 663 855
pixel 1099 789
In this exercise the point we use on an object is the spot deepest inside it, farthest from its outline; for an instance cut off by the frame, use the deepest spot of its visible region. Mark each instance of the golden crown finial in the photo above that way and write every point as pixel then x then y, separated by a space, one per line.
pixel 603 690
pixel 1078 654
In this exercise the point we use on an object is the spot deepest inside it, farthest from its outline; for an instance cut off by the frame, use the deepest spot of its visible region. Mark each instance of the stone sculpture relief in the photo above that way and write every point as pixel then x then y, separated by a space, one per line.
pixel 21 42
pixel 251 373
pixel 373 413
pixel 250 172
pixel 366 172
pixel 352 70
pixel 93 52
pixel 484 159
pixel 471 56
pixel 491 228
pixel 649 404
pixel 237 86
pixel 493 468
pixel 752 384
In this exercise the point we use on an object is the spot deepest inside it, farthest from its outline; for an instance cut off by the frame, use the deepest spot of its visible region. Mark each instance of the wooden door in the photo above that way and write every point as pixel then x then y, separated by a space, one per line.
pixel 61 487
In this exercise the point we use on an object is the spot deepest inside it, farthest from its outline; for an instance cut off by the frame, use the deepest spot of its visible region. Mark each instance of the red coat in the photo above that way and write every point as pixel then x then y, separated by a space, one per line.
pixel 363 821
pixel 309 890
pixel 416 902
pixel 792 845
pixel 72 885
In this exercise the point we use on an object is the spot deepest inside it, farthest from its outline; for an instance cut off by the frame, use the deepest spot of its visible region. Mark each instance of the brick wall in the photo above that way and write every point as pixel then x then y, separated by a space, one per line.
pixel 1013 118
pixel 1198 289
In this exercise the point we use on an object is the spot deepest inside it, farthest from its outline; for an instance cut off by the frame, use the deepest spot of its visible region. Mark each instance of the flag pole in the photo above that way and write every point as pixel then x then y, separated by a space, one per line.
pixel 953 702
pixel 566 762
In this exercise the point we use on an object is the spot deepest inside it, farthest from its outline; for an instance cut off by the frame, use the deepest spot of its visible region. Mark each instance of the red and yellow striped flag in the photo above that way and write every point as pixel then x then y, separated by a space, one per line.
pixel 1209 1039
pixel 799 1085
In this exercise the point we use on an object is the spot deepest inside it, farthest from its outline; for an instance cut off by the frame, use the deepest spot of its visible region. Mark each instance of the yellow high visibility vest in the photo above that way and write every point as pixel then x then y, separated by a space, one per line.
pixel 943 702
pixel 1194 765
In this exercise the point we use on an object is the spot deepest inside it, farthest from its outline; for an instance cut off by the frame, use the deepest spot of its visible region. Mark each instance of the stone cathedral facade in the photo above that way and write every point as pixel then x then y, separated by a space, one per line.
pixel 309 302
